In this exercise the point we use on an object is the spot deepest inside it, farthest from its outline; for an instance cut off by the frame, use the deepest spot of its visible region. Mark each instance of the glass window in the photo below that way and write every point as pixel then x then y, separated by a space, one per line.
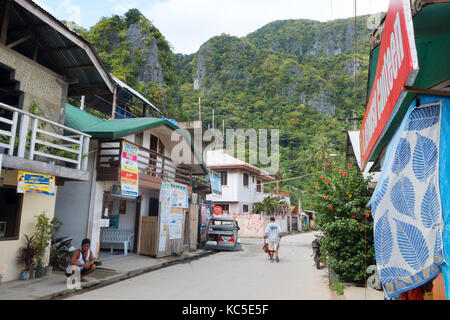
pixel 225 208
pixel 10 204
pixel 245 208
pixel 245 179
pixel 224 177
pixel 258 186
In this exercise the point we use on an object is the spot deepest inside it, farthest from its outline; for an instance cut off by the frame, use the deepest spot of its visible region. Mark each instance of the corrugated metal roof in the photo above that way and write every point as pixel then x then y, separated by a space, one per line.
pixel 134 92
pixel 55 36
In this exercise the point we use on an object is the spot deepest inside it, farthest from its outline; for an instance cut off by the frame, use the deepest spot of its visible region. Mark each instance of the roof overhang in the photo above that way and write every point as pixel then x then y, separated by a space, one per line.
pixel 83 70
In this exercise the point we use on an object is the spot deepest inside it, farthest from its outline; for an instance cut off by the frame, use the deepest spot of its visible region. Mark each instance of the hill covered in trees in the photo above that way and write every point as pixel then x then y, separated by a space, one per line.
pixel 294 75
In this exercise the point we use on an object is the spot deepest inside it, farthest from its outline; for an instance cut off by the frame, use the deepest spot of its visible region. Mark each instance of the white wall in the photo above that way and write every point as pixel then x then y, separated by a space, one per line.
pixel 236 194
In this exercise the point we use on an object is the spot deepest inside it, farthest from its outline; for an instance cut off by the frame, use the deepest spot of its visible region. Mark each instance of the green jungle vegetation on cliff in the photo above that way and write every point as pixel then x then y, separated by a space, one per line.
pixel 302 77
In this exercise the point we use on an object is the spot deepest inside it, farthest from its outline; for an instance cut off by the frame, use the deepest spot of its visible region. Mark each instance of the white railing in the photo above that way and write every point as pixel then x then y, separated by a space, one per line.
pixel 40 142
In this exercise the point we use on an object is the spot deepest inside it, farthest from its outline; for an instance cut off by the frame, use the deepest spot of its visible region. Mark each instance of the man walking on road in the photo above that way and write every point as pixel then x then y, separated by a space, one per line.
pixel 272 235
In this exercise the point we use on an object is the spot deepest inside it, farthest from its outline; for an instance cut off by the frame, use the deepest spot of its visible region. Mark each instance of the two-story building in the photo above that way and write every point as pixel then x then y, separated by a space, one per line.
pixel 42 64
pixel 138 214
pixel 242 183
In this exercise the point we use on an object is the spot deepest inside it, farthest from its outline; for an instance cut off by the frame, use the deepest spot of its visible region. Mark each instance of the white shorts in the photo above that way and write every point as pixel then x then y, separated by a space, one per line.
pixel 273 246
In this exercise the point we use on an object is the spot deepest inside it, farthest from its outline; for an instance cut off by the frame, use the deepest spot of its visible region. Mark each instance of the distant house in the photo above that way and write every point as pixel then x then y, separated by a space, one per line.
pixel 242 183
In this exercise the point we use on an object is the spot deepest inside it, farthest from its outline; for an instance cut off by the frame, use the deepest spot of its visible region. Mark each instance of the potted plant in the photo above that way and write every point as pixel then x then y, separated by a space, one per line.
pixel 27 257
pixel 42 238
pixel 56 225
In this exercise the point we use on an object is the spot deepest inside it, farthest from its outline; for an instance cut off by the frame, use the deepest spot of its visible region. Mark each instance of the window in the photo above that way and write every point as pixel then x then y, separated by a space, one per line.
pixel 258 186
pixel 154 143
pixel 225 208
pixel 224 177
pixel 10 202
pixel 139 139
pixel 253 179
pixel 245 208
pixel 245 179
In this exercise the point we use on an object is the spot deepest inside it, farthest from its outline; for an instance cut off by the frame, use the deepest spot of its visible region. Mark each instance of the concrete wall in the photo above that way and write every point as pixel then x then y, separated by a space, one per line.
pixel 33 204
pixel 254 225
pixel 37 83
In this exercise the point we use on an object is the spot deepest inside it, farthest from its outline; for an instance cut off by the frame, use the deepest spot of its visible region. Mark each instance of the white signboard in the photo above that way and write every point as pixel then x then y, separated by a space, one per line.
pixel 104 223
pixel 175 226
pixel 162 241
pixel 165 213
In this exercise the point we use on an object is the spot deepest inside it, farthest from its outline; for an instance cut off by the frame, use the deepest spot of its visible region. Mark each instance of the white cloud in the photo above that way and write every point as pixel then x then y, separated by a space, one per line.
pixel 43 4
pixel 72 11
pixel 189 23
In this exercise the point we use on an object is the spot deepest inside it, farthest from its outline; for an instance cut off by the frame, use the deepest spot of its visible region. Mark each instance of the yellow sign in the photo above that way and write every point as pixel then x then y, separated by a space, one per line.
pixel 36 182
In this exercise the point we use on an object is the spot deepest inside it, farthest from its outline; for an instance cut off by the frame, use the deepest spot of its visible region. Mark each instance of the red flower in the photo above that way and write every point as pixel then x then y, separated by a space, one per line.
pixel 317 185
pixel 354 217
pixel 368 216
pixel 321 177
pixel 310 204
pixel 326 198
pixel 327 181
pixel 360 228
pixel 341 171
pixel 345 174
pixel 326 164
pixel 349 165
pixel 330 207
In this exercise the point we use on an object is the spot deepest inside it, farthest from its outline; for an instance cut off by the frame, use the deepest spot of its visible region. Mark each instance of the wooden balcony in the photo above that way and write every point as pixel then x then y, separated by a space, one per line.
pixel 154 168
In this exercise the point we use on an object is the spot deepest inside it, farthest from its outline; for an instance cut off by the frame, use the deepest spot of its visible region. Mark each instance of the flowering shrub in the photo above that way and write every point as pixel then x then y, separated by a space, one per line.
pixel 340 200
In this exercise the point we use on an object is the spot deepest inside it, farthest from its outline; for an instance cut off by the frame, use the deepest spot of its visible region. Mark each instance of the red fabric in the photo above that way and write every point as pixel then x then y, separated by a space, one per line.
pixel 414 294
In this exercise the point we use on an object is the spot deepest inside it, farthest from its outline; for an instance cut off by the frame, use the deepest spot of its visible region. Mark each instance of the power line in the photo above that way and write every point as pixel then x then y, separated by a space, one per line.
pixel 306 175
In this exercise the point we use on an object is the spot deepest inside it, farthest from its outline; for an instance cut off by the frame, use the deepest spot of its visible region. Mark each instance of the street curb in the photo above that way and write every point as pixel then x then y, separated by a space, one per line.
pixel 96 284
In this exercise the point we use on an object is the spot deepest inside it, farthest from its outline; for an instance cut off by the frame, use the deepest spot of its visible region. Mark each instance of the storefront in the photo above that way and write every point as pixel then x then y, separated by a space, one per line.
pixel 405 132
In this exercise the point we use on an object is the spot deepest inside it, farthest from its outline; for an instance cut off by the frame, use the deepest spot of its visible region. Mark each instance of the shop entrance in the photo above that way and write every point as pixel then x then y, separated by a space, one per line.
pixel 124 219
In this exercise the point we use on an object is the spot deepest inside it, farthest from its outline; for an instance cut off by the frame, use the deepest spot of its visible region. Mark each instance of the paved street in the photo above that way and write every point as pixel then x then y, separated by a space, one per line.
pixel 241 275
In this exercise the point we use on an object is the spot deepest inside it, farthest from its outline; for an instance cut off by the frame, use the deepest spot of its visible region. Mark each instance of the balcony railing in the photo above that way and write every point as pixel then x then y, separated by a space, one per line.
pixel 31 137
pixel 150 164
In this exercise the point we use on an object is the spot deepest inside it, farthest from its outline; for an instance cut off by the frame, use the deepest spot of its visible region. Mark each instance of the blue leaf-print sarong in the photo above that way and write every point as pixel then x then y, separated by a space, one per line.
pixel 406 206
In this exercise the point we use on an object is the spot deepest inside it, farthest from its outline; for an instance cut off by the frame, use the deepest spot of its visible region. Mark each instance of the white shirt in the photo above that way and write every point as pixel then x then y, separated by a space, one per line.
pixel 273 231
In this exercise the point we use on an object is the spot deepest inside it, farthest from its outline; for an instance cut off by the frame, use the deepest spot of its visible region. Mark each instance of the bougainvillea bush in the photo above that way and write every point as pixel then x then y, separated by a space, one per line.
pixel 339 195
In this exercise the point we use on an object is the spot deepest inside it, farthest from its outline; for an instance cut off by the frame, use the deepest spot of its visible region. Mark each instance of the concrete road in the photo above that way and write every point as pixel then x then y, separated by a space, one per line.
pixel 244 275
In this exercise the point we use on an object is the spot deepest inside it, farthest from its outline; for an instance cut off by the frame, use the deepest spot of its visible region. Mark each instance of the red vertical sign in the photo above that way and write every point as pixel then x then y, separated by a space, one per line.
pixel 397 66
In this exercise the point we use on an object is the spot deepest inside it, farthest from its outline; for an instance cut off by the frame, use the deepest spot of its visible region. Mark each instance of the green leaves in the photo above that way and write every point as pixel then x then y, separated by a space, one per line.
pixel 347 240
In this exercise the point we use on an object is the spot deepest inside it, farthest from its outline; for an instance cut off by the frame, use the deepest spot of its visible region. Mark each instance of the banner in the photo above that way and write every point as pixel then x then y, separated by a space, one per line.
pixel 36 183
pixel 216 184
pixel 129 170
pixel 175 226
pixel 397 66
pixel 179 196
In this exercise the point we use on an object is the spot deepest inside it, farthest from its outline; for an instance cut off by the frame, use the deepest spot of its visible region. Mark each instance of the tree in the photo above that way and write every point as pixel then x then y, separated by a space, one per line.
pixel 270 205
pixel 340 196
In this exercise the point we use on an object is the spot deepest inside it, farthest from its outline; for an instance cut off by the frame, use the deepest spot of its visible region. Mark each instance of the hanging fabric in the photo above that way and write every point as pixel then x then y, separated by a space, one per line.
pixel 406 204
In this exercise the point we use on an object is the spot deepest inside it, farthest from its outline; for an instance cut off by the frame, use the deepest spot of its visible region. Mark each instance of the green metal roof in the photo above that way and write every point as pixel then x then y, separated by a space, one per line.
pixel 98 128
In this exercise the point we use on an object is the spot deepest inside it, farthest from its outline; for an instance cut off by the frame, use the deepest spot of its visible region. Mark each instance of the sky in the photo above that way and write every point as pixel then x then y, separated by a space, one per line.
pixel 187 24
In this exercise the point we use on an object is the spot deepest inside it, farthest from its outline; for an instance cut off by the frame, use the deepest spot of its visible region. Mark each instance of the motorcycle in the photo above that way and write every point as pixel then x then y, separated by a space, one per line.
pixel 316 252
pixel 63 250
